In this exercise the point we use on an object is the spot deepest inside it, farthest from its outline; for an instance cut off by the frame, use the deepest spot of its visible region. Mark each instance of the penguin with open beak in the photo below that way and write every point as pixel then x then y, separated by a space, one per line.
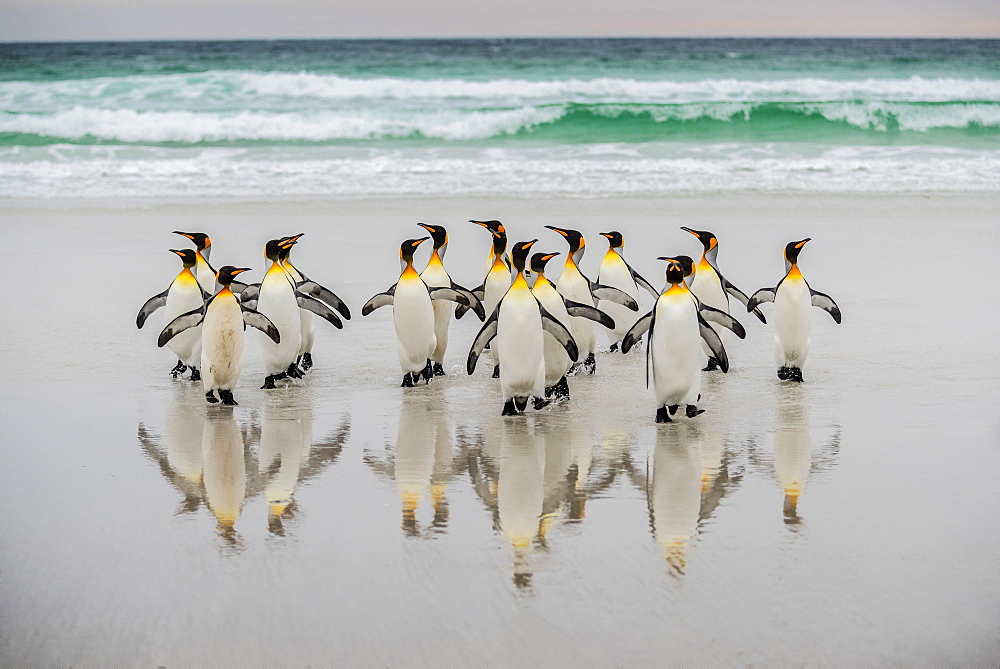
pixel 413 315
pixel 223 320
pixel 792 298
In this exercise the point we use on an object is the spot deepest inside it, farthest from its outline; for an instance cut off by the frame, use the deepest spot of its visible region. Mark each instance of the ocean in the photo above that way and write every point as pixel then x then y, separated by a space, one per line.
pixel 279 120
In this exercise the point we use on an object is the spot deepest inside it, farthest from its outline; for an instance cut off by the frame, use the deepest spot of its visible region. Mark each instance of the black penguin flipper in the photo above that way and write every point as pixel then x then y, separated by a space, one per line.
pixel 761 296
pixel 551 325
pixel 714 343
pixel 590 313
pixel 720 317
pixel 613 295
pixel 250 292
pixel 255 319
pixel 636 331
pixel 449 294
pixel 486 334
pixel 318 308
pixel 151 305
pixel 826 303
pixel 183 322
pixel 380 300
pixel 479 293
pixel 639 281
pixel 476 302
pixel 238 286
pixel 741 296
pixel 649 346
pixel 325 295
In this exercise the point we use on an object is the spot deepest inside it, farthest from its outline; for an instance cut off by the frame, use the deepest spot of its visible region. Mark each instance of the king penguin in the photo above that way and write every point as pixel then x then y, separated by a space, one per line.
pixel 436 276
pixel 498 277
pixel 711 288
pixel 557 361
pixel 224 320
pixel 617 273
pixel 413 315
pixel 792 298
pixel 573 285
pixel 676 325
pixel 311 289
pixel 516 327
pixel 181 296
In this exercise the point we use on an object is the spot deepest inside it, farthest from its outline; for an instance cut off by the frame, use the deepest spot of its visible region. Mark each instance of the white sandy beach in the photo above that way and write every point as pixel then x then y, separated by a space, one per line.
pixel 850 520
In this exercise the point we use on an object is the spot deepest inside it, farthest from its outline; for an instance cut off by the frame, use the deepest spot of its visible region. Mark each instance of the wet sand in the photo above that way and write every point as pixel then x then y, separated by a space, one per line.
pixel 849 520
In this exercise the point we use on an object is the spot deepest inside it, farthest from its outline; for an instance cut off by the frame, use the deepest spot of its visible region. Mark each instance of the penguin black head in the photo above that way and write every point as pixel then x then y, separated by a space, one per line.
pixel 573 238
pixel 438 234
pixel 707 239
pixel 519 254
pixel 496 227
pixel 226 274
pixel 675 270
pixel 200 239
pixel 285 245
pixel 686 263
pixel 792 251
pixel 186 255
pixel 539 260
pixel 273 249
pixel 293 239
pixel 407 249
pixel 615 239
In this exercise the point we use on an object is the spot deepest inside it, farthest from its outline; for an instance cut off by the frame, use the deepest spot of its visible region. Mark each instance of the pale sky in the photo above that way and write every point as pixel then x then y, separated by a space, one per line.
pixel 28 20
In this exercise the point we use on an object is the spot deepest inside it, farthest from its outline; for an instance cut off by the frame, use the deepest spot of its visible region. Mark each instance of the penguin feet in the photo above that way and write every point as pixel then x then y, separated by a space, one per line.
pixel 713 364
pixel 509 409
pixel 407 381
pixel 521 403
pixel 540 403
pixel 427 372
pixel 227 398
pixel 590 364
pixel 691 411
pixel 496 371
pixel 663 415
pixel 673 409
pixel 210 398
pixel 195 374
pixel 560 391
pixel 783 373
pixel 614 348
pixel 294 372
pixel 178 369
pixel 795 374
pixel 268 382
pixel 438 369
pixel 307 361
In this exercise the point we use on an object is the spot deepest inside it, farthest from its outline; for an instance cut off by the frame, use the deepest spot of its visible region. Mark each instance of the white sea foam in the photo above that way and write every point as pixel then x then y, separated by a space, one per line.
pixel 63 172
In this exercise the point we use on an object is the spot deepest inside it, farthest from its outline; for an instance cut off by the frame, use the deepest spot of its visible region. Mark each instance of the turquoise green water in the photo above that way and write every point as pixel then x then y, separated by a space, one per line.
pixel 534 117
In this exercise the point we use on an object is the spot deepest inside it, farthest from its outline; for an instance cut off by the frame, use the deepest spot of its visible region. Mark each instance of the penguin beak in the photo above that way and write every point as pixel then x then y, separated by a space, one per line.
pixel 184 234
pixel 559 230
pixel 418 242
pixel 802 243
pixel 294 239
pixel 240 270
pixel 180 253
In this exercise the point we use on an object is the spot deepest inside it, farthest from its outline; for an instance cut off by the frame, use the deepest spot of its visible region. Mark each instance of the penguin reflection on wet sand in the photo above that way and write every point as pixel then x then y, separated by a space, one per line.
pixel 516 328
pixel 413 315
pixel 573 285
pixel 712 289
pixel 224 320
pixel 183 295
pixel 792 298
pixel 677 325
pixel 436 276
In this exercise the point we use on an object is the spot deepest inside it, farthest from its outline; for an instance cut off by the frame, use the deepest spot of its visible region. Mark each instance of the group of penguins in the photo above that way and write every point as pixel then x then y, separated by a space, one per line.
pixel 538 332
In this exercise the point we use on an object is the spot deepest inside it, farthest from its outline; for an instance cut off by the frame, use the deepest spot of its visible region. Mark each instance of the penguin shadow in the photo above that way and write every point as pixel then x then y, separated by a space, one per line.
pixel 674 493
pixel 421 462
pixel 795 459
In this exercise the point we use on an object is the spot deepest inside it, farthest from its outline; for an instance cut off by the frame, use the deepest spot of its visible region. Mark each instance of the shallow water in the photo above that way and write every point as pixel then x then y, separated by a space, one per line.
pixel 343 520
